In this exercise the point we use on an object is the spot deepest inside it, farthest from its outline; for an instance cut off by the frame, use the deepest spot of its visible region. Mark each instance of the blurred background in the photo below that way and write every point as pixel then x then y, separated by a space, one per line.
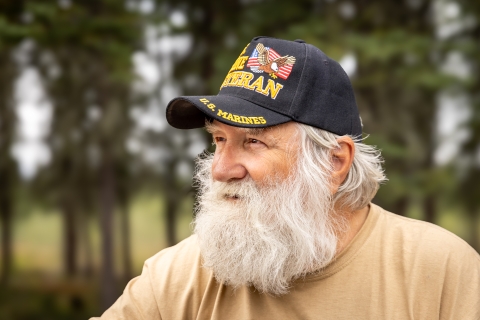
pixel 92 179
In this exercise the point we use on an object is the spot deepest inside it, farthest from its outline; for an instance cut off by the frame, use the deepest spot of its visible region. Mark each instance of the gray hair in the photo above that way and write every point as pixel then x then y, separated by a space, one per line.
pixel 365 175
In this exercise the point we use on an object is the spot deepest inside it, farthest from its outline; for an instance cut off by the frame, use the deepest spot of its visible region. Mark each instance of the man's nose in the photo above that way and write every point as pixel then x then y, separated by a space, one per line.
pixel 227 166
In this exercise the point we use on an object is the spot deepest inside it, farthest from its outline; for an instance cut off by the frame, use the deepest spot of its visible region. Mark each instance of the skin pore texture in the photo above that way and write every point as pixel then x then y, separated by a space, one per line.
pixel 260 154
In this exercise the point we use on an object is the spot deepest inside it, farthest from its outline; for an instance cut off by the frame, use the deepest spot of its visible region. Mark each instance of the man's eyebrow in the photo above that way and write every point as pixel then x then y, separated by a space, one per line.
pixel 255 131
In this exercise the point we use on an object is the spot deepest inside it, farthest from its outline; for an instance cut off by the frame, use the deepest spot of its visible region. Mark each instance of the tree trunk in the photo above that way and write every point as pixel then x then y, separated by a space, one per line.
pixel 401 206
pixel 107 185
pixel 171 219
pixel 171 203
pixel 87 243
pixel 69 238
pixel 430 208
pixel 474 231
pixel 6 222
pixel 126 238
pixel 8 168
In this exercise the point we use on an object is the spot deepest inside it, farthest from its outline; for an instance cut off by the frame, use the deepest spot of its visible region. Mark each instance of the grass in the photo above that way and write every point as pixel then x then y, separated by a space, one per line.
pixel 38 236
pixel 37 242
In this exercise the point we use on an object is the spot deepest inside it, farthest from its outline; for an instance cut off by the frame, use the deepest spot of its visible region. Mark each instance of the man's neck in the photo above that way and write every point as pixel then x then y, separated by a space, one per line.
pixel 354 221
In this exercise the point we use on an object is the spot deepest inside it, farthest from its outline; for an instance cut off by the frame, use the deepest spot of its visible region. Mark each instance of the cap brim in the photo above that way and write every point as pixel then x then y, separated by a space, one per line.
pixel 190 112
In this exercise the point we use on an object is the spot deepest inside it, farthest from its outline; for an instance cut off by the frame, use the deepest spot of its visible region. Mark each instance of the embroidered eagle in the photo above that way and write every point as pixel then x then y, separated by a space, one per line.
pixel 271 66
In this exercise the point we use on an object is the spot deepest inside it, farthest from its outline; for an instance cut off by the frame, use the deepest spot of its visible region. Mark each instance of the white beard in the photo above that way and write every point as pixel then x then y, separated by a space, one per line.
pixel 270 235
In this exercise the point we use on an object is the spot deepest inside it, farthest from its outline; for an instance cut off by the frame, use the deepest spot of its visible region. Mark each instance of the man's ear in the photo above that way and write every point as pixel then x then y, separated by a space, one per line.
pixel 342 159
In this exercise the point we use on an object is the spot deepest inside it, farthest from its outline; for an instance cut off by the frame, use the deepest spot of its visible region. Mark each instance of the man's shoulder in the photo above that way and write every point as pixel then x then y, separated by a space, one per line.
pixel 432 265
pixel 178 278
pixel 424 238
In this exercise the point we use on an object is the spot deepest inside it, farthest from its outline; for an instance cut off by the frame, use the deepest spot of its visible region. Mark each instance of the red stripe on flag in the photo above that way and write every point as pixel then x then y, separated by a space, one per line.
pixel 284 72
pixel 252 62
pixel 286 69
pixel 273 54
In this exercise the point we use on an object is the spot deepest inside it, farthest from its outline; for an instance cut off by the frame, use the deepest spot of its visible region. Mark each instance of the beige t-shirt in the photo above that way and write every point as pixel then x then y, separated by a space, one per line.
pixel 395 268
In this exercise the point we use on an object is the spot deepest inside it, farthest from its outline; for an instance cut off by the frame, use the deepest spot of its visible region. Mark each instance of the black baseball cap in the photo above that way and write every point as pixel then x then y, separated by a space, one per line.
pixel 274 81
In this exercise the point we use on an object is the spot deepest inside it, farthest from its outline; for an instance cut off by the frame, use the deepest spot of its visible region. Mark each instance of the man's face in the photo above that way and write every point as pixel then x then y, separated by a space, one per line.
pixel 261 154
pixel 263 215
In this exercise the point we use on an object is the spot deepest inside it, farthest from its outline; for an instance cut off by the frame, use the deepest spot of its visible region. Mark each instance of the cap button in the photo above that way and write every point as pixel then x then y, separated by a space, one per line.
pixel 299 41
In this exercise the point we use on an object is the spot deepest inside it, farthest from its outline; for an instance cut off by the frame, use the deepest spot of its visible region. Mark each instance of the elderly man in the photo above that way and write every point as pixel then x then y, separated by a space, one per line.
pixel 284 227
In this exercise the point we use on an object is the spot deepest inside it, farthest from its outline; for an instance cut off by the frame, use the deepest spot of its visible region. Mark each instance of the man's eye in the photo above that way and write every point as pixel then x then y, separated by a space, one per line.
pixel 255 141
pixel 218 140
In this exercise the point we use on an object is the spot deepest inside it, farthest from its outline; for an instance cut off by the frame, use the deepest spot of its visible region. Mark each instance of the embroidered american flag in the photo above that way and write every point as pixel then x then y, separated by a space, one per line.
pixel 254 65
